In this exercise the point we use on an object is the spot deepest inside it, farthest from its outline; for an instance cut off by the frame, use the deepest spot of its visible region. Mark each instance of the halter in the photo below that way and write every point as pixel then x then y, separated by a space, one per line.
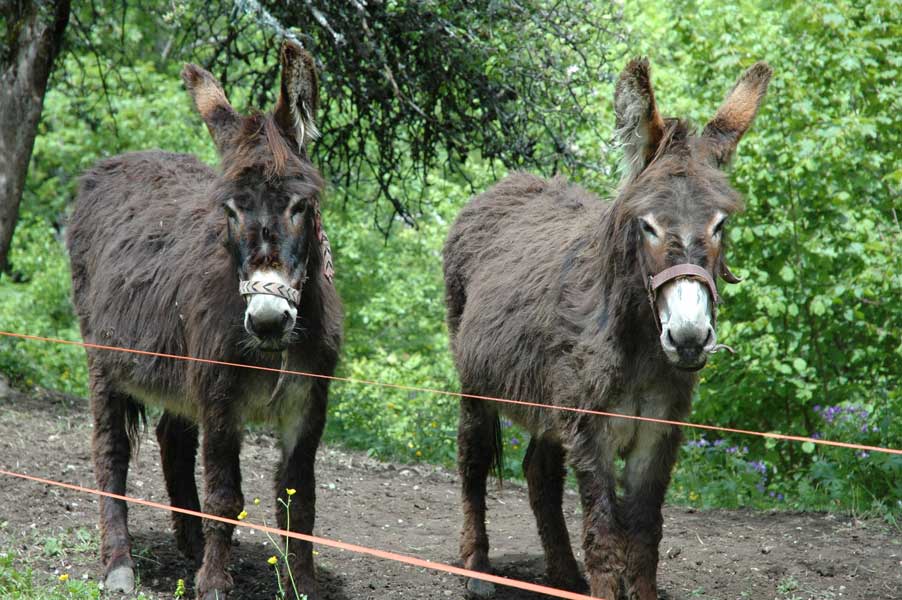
pixel 249 288
pixel 686 271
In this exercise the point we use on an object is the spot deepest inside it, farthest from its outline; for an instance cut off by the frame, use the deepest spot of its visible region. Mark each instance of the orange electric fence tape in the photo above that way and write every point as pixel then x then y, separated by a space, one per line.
pixel 411 388
pixel 402 558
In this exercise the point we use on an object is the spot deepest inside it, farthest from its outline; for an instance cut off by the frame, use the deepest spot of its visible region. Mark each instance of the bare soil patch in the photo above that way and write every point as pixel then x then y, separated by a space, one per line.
pixel 410 509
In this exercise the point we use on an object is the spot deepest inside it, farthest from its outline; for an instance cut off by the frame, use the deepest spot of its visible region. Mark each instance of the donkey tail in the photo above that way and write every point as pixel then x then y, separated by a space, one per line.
pixel 135 421
pixel 497 450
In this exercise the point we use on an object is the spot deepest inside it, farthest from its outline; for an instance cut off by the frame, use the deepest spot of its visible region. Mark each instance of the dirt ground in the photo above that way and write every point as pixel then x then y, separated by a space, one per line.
pixel 411 510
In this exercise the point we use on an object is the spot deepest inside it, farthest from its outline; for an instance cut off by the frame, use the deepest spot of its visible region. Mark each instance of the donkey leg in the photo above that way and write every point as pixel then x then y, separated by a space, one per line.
pixel 475 449
pixel 178 450
pixel 111 448
pixel 222 497
pixel 300 439
pixel 545 472
pixel 602 533
pixel 647 475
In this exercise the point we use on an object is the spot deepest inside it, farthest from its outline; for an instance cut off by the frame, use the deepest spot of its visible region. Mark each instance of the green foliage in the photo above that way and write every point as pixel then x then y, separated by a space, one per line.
pixel 38 304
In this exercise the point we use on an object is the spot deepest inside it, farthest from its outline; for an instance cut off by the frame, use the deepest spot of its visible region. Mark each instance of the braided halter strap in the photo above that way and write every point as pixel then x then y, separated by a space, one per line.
pixel 328 266
pixel 270 288
pixel 679 272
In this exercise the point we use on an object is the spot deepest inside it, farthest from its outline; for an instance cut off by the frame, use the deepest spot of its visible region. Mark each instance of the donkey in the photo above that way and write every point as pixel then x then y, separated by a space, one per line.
pixel 159 243
pixel 557 298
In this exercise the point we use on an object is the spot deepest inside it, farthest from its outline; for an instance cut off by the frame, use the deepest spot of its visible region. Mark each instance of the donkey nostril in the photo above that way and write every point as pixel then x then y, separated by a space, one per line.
pixel 707 338
pixel 670 338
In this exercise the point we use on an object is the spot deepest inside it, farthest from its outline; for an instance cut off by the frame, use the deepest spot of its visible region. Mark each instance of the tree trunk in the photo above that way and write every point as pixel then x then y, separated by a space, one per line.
pixel 31 41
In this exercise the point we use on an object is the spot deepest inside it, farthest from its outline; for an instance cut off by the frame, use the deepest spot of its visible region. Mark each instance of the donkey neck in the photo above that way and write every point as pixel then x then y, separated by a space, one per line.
pixel 603 291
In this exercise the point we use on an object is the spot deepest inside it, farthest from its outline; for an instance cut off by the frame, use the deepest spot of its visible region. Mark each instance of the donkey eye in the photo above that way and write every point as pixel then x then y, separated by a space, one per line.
pixel 718 229
pixel 229 207
pixel 297 211
pixel 648 230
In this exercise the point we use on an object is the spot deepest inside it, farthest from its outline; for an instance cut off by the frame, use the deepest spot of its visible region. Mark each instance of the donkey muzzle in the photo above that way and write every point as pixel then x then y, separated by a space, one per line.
pixel 271 309
pixel 684 301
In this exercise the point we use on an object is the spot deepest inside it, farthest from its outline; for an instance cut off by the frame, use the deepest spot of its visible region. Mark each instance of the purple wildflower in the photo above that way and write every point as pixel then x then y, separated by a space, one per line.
pixel 506 422
pixel 515 441
pixel 780 497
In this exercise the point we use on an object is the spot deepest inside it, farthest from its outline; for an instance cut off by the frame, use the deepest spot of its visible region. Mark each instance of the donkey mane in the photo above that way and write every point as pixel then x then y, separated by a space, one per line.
pixel 259 145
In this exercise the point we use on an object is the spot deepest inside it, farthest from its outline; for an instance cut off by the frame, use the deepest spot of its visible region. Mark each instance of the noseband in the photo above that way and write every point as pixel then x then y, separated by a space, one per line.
pixel 685 270
pixel 271 288
pixel 249 288
pixel 690 271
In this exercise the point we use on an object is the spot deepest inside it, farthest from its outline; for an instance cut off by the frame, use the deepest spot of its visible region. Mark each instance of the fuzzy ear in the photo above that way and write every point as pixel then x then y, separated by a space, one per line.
pixel 736 114
pixel 212 104
pixel 299 96
pixel 639 125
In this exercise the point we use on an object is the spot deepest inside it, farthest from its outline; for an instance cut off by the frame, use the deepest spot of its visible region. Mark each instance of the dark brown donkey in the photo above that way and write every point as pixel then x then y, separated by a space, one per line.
pixel 159 243
pixel 558 298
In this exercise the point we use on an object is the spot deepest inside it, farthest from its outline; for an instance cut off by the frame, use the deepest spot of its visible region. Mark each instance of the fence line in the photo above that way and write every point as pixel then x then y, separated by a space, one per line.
pixel 383 554
pixel 412 388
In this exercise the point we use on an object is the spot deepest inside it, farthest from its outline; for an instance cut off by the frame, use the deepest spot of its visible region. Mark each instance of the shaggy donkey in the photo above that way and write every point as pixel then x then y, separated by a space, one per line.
pixel 558 298
pixel 159 243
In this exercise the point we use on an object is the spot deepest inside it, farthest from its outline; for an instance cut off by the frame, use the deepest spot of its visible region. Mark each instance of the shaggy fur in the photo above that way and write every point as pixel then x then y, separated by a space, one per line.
pixel 155 267
pixel 546 299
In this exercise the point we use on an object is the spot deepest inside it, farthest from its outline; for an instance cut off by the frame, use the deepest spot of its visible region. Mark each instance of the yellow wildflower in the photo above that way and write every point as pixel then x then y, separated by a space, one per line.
pixel 272 560
pixel 291 491
pixel 242 515
pixel 256 500
pixel 64 577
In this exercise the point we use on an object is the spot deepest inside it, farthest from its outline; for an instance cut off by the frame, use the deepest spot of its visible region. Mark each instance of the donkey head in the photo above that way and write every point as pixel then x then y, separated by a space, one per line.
pixel 268 192
pixel 674 204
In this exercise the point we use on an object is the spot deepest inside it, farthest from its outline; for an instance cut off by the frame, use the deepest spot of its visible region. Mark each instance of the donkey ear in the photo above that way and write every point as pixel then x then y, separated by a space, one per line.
pixel 299 97
pixel 639 125
pixel 212 104
pixel 736 114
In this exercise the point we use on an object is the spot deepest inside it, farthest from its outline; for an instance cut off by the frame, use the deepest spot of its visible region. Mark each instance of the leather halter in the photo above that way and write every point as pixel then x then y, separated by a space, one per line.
pixel 685 270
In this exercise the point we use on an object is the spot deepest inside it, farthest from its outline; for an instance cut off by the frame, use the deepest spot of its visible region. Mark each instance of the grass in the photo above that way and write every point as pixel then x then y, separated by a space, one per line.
pixel 19 581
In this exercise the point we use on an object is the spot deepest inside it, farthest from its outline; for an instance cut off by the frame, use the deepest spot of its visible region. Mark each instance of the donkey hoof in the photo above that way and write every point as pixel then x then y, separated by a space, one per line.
pixel 120 580
pixel 480 589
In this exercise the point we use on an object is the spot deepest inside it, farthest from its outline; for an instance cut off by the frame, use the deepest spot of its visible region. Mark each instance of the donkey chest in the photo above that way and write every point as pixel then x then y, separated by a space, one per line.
pixel 286 411
pixel 623 435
